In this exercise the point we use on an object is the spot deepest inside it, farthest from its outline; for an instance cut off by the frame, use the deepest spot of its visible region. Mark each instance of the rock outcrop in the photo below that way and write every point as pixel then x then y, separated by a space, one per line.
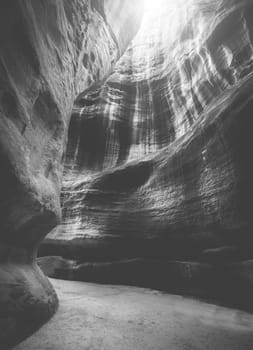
pixel 50 51
pixel 158 163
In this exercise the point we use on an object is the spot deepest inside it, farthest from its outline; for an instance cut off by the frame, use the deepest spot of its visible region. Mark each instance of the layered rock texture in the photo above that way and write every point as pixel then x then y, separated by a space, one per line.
pixel 156 158
pixel 158 174
pixel 50 51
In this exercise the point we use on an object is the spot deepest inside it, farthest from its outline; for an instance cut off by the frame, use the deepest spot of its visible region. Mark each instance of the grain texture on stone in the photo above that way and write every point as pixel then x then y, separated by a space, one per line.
pixel 50 51
pixel 158 163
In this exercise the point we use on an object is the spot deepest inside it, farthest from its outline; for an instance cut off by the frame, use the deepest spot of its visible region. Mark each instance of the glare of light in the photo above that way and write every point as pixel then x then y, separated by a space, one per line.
pixel 167 11
pixel 158 5
pixel 165 16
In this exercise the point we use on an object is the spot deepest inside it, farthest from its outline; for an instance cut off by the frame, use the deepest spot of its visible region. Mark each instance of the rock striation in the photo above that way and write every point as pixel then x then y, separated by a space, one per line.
pixel 50 51
pixel 158 157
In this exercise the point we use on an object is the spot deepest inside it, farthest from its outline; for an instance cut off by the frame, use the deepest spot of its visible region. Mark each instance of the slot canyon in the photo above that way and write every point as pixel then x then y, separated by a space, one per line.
pixel 126 179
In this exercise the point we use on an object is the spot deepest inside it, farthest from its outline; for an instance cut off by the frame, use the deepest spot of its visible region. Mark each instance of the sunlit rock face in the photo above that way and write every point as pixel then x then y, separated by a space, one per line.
pixel 188 59
pixel 158 162
pixel 50 51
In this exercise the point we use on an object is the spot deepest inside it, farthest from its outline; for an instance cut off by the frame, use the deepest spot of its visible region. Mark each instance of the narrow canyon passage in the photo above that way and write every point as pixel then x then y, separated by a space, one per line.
pixel 126 174
pixel 156 185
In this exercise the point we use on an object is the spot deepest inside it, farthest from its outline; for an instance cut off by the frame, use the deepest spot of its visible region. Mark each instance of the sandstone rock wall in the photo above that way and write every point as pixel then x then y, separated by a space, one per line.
pixel 50 51
pixel 158 148
pixel 158 163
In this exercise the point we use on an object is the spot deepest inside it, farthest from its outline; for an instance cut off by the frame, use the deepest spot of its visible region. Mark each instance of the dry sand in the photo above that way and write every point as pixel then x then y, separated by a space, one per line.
pixel 105 317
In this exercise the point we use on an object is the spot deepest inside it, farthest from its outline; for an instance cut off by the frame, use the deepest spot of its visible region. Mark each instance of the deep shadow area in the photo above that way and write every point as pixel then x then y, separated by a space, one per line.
pixel 228 284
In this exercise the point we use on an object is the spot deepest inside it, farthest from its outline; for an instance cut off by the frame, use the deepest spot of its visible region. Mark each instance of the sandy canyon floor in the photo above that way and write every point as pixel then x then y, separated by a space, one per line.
pixel 106 317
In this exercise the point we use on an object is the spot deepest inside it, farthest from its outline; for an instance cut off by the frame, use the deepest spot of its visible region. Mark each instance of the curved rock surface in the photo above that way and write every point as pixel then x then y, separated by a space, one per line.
pixel 50 51
pixel 158 162
pixel 160 152
pixel 116 317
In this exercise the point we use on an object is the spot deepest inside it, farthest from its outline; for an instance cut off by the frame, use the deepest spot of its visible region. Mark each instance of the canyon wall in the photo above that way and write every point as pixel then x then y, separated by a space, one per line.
pixel 50 51
pixel 158 164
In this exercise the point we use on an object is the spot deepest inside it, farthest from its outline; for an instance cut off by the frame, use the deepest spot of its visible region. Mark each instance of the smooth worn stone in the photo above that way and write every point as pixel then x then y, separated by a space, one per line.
pixel 50 51
pixel 158 160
